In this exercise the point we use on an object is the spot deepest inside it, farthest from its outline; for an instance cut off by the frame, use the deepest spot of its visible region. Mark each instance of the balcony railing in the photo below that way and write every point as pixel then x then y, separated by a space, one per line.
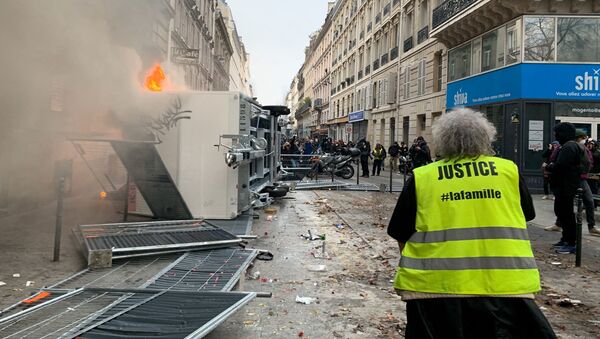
pixel 449 9
pixel 386 10
pixel 375 65
pixel 377 18
pixel 423 34
pixel 367 70
pixel 394 53
pixel 408 44
pixel 384 59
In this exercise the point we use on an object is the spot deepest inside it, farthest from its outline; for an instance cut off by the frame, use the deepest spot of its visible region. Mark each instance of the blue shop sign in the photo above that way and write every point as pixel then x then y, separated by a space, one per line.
pixel 356 116
pixel 573 82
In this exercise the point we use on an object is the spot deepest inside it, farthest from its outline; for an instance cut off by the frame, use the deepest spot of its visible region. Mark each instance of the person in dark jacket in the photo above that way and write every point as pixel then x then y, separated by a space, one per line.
pixel 365 152
pixel 394 153
pixel 403 149
pixel 546 158
pixel 566 168
pixel 420 153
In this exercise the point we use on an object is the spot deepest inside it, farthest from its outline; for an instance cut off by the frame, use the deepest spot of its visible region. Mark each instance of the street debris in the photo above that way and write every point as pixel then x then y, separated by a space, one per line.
pixel 312 237
pixel 317 268
pixel 566 302
pixel 16 275
pixel 301 334
pixel 340 226
pixel 305 300
pixel 555 263
pixel 255 275
pixel 29 283
pixel 2 283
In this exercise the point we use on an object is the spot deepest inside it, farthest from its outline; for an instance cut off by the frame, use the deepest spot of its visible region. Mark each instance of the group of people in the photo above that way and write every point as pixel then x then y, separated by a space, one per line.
pixel 309 146
pixel 567 164
pixel 417 155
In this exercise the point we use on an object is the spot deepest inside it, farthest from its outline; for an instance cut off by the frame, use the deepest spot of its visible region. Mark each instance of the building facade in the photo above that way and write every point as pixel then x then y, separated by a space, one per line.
pixel 527 66
pixel 239 67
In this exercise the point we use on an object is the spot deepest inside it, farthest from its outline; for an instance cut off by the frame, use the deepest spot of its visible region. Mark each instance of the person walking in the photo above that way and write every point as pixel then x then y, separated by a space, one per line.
pixel 467 268
pixel 420 153
pixel 365 152
pixel 568 167
pixel 588 199
pixel 378 158
pixel 394 153
pixel 546 160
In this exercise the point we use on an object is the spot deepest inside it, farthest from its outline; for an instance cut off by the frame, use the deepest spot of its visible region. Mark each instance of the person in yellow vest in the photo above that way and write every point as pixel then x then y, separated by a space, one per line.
pixel 467 268
pixel 379 156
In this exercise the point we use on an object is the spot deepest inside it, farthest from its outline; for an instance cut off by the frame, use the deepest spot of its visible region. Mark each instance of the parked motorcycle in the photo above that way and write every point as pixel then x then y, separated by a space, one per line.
pixel 405 164
pixel 340 164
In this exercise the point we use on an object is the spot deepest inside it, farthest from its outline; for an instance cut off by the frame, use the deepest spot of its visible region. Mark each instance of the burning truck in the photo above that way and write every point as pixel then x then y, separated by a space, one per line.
pixel 209 155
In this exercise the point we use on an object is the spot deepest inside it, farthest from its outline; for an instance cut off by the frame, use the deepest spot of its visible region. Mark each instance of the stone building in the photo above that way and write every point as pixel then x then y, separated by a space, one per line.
pixel 526 65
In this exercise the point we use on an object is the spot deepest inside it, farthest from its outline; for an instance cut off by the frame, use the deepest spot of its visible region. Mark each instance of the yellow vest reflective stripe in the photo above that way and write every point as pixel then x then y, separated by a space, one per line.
pixel 471 232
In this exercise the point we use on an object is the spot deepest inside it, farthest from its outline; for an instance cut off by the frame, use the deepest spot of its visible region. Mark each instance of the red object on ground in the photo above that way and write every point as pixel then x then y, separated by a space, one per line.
pixel 37 297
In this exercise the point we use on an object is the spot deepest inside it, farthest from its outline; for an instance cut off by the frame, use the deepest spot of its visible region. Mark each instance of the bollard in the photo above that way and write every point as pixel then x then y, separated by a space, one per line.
pixel 59 218
pixel 391 174
pixel 579 199
pixel 357 173
pixel 126 202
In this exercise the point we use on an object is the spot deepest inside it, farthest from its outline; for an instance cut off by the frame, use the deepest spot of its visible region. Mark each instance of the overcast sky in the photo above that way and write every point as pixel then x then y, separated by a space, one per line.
pixel 275 33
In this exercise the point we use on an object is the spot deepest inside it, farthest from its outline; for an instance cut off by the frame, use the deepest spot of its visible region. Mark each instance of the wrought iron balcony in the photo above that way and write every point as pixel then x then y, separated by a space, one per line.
pixel 375 65
pixel 449 9
pixel 384 59
pixel 408 44
pixel 394 53
pixel 423 34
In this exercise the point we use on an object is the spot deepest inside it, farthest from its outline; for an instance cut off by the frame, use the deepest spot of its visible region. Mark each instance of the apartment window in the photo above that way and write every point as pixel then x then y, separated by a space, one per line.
pixel 406 82
pixel 438 65
pixel 513 42
pixel 492 50
pixel 476 56
pixel 359 104
pixel 580 39
pixel 539 39
pixel 421 78
pixel 375 95
pixel 408 25
pixel 459 62
pixel 424 15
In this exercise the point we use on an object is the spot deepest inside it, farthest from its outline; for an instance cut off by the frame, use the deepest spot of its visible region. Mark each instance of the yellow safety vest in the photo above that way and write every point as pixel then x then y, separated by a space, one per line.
pixel 471 234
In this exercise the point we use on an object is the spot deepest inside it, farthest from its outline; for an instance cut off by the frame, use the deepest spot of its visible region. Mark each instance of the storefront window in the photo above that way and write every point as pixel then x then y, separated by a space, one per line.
pixel 513 42
pixel 459 62
pixel 492 55
pixel 539 39
pixel 495 114
pixel 578 39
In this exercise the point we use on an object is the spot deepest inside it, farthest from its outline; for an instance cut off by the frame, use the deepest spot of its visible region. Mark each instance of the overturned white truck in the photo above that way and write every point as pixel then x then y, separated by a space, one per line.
pixel 214 156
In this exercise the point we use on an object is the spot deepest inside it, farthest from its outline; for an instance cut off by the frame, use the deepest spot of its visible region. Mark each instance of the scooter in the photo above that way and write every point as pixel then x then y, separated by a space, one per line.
pixel 339 164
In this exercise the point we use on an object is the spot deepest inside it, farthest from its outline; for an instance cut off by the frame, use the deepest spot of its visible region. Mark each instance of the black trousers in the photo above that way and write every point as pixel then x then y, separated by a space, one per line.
pixel 563 208
pixel 364 164
pixel 546 183
pixel 476 318
pixel 377 166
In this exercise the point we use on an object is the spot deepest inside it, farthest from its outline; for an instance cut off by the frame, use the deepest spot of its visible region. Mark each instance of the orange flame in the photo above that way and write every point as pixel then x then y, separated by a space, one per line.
pixel 155 80
pixel 103 195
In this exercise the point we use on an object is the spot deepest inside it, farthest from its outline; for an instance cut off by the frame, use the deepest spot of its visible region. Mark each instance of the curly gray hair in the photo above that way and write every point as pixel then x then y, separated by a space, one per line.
pixel 463 133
